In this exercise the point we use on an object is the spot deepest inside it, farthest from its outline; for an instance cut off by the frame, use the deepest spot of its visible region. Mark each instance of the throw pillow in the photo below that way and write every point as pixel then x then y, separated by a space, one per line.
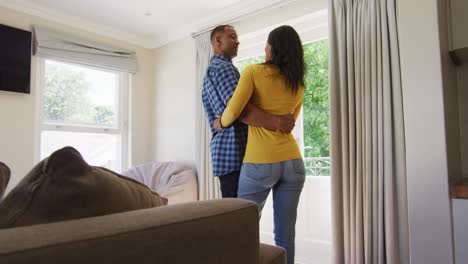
pixel 63 186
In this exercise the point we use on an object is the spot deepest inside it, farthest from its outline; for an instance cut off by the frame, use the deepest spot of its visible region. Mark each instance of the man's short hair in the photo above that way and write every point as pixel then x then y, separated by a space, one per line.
pixel 218 29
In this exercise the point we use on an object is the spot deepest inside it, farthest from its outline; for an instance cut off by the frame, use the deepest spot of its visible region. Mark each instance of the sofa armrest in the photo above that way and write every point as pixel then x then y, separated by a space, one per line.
pixel 272 254
pixel 219 231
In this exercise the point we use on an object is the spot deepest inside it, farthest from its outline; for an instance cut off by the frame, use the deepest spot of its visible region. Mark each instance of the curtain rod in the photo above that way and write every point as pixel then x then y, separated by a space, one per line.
pixel 240 17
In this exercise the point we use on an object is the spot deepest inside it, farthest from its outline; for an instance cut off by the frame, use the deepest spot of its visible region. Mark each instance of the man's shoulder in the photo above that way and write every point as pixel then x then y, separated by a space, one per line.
pixel 220 65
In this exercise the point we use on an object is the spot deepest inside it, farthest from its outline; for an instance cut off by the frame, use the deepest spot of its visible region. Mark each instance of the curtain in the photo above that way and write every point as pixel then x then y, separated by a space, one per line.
pixel 53 44
pixel 369 200
pixel 208 185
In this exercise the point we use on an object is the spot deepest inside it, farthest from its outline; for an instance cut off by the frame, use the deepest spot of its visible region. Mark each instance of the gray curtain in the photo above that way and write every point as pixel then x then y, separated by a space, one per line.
pixel 369 200
pixel 208 185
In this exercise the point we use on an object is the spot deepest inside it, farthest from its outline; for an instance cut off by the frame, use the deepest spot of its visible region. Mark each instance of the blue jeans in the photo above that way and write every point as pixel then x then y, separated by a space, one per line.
pixel 286 178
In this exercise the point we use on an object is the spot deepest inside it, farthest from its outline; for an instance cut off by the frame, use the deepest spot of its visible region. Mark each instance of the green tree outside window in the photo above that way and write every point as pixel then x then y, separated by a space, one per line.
pixel 66 99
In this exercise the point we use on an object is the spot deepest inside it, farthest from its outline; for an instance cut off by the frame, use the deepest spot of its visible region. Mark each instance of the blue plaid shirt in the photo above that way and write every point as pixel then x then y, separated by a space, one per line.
pixel 228 145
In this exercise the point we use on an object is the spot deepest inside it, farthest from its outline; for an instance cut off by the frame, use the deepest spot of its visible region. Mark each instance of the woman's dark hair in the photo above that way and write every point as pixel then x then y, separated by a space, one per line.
pixel 287 53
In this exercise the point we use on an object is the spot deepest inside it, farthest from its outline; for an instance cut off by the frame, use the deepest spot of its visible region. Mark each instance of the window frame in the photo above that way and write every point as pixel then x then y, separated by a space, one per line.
pixel 123 111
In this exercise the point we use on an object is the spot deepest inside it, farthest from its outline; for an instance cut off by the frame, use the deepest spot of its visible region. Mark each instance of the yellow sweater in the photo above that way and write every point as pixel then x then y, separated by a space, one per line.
pixel 265 87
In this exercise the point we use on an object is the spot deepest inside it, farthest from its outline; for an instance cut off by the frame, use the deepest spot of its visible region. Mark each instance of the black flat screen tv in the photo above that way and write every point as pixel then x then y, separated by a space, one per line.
pixel 15 60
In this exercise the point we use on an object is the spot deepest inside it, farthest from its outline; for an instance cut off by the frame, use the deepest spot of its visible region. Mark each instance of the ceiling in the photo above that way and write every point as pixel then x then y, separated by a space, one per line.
pixel 147 23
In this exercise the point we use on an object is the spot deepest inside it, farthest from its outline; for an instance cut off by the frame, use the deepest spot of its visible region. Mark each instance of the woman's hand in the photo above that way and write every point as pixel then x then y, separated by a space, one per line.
pixel 217 123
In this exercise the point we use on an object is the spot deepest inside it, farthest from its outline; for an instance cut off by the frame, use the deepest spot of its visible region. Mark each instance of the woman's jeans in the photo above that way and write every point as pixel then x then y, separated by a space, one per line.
pixel 286 178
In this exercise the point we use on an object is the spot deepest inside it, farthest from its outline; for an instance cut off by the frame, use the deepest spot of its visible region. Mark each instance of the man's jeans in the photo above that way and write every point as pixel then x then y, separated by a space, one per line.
pixel 229 184
pixel 287 179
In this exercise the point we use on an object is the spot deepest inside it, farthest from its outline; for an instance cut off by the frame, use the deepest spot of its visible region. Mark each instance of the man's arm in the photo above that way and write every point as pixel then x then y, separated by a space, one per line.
pixel 254 116
pixel 240 101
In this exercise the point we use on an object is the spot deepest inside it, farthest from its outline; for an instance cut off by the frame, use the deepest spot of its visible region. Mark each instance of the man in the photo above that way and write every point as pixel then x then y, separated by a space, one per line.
pixel 221 78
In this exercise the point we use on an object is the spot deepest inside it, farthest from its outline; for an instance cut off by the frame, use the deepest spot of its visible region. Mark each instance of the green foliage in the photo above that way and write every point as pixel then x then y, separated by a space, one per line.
pixel 65 94
pixel 104 115
pixel 241 65
pixel 66 98
pixel 316 102
pixel 316 105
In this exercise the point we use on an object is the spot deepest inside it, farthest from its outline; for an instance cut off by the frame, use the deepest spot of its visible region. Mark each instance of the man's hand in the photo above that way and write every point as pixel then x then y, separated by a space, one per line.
pixel 217 123
pixel 285 123
pixel 254 116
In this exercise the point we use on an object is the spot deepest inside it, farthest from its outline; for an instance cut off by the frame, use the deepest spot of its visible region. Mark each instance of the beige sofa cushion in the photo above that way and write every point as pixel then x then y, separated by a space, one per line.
pixel 272 254
pixel 4 178
pixel 63 186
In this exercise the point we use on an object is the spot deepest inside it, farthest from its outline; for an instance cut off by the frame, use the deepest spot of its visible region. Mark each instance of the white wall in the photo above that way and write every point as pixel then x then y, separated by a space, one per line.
pixel 460 215
pixel 276 16
pixel 427 172
pixel 174 102
pixel 17 111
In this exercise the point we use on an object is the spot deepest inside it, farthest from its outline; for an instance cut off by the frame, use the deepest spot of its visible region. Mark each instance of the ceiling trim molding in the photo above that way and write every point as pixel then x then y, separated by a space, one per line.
pixel 76 22
pixel 228 15
pixel 233 16
pixel 311 27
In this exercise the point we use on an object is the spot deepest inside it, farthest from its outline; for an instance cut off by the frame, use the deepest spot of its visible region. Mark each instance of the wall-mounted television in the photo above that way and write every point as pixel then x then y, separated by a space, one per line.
pixel 15 60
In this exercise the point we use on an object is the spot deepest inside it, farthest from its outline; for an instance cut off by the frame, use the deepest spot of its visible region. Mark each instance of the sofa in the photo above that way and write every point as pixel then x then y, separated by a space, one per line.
pixel 67 211
pixel 223 231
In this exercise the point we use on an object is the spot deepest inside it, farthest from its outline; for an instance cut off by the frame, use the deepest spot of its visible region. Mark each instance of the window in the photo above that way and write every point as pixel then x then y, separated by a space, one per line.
pixel 315 111
pixel 86 108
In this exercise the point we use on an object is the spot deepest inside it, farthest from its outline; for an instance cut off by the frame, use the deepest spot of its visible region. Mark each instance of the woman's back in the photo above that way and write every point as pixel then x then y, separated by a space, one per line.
pixel 266 87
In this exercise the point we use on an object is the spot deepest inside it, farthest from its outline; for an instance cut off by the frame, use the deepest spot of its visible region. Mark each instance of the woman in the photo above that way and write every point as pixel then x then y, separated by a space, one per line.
pixel 272 159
